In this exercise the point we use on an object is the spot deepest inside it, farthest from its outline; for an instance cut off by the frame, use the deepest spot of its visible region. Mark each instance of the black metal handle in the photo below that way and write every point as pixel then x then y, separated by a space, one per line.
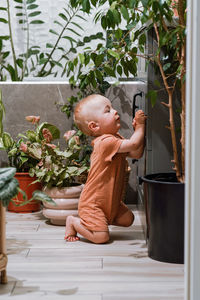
pixel 134 107
pixel 134 160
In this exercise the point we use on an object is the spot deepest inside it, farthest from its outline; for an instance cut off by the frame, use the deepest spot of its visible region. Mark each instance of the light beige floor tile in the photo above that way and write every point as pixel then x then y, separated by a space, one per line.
pixel 94 275
pixel 105 287
pixel 56 265
pixel 6 288
pixel 42 265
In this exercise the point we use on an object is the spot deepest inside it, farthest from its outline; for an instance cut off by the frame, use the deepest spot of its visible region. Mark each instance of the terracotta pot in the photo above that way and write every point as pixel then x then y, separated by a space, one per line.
pixel 25 184
pixel 67 203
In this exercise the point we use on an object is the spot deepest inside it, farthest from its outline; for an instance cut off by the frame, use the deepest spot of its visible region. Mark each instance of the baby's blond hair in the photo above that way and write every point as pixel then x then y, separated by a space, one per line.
pixel 81 115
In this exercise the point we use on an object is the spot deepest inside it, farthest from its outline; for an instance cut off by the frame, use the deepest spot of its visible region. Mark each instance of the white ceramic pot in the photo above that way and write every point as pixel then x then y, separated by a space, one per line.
pixel 66 203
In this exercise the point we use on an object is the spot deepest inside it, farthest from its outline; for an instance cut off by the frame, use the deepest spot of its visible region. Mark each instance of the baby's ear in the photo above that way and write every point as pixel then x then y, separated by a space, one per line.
pixel 93 126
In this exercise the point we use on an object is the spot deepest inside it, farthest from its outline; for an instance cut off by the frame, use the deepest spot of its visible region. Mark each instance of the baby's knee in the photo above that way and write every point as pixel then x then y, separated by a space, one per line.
pixel 129 218
pixel 101 237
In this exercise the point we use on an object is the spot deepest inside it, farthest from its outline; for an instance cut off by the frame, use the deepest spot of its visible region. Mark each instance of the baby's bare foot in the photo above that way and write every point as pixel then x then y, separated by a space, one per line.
pixel 71 238
pixel 70 233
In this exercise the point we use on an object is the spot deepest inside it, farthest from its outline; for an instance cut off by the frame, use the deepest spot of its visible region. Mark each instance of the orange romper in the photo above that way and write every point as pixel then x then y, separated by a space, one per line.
pixel 100 201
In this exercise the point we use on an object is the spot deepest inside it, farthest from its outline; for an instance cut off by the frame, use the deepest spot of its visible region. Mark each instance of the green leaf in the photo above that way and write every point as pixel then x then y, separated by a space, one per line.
pixel 142 39
pixel 30 1
pixel 19 1
pixel 86 5
pixel 54 32
pixel 7 140
pixel 56 22
pixel 109 71
pixel 81 17
pixel 43 61
pixel 48 45
pixel 119 70
pixel 166 66
pixel 99 59
pixel 72 30
pixel 9 190
pixel 114 54
pixel 31 135
pixel 12 72
pixel 5 54
pixel 37 22
pixel 33 14
pixel 3 8
pixel 19 62
pixel 99 75
pixel 20 15
pixel 4 37
pixel 2 20
pixel 41 196
pixel 152 94
pixel 23 160
pixel 82 58
pixel 6 174
pixel 77 25
pixel 104 22
pixel 116 15
pixel 35 152
pixel 69 38
pixel 63 17
pixel 124 12
pixel 32 6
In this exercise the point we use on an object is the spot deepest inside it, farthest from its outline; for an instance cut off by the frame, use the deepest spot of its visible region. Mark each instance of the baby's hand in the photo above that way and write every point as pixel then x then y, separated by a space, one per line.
pixel 140 118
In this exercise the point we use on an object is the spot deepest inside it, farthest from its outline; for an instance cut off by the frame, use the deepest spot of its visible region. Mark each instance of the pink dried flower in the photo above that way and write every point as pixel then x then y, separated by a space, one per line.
pixel 40 164
pixel 33 119
pixel 68 134
pixel 23 147
pixel 47 135
pixel 51 146
pixel 77 140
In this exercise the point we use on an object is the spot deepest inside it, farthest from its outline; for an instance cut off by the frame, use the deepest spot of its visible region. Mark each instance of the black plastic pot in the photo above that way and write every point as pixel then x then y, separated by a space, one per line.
pixel 164 205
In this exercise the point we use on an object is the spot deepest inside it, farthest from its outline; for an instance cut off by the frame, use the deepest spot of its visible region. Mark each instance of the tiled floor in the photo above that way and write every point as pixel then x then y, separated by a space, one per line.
pixel 42 265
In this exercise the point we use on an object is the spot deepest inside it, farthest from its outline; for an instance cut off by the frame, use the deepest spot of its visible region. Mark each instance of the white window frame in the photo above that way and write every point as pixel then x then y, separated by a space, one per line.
pixel 192 211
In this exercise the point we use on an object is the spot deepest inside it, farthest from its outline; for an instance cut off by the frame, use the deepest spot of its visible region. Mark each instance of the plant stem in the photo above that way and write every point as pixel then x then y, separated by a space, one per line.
pixel 27 44
pixel 11 41
pixel 54 48
pixel 171 115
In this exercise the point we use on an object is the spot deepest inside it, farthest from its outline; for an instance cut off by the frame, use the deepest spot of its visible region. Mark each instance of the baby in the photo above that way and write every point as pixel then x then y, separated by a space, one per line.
pixel 100 202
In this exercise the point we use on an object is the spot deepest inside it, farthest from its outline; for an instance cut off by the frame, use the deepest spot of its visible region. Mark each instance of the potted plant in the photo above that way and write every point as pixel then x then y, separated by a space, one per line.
pixel 169 60
pixel 62 173
pixel 21 161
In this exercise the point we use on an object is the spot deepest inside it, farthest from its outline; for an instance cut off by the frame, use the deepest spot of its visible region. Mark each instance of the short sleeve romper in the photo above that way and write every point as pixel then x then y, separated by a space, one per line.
pixel 101 199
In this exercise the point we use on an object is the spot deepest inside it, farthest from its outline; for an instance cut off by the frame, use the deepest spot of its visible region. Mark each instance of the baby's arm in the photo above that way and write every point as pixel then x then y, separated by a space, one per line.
pixel 135 145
